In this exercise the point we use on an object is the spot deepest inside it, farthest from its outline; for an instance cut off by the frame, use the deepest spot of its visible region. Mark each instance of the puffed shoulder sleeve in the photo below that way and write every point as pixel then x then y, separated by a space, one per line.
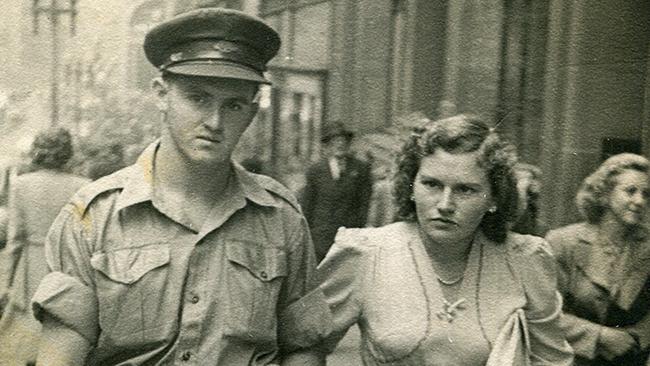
pixel 341 273
pixel 66 294
pixel 537 270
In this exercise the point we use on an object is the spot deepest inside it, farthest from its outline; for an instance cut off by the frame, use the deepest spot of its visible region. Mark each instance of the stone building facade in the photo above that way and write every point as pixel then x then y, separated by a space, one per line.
pixel 567 81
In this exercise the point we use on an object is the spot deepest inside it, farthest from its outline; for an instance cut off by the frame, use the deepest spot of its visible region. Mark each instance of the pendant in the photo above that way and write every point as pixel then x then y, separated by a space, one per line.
pixel 449 310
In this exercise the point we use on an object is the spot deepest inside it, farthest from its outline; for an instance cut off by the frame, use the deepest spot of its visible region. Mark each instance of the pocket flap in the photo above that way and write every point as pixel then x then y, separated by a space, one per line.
pixel 264 263
pixel 129 265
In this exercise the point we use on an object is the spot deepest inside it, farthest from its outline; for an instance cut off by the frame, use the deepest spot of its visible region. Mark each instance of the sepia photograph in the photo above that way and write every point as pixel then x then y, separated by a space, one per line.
pixel 325 182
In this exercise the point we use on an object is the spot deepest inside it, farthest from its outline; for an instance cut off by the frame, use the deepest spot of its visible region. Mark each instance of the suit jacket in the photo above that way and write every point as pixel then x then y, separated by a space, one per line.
pixel 329 204
pixel 593 298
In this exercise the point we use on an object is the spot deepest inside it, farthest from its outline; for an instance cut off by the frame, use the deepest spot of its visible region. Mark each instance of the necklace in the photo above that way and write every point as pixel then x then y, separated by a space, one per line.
pixel 450 282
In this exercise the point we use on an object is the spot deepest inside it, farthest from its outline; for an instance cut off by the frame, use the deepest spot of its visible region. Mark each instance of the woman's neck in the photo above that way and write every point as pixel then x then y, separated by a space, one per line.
pixel 446 253
pixel 615 231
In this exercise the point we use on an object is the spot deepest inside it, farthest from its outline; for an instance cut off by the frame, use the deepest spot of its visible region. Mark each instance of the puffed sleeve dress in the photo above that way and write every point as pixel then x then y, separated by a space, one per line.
pixel 382 279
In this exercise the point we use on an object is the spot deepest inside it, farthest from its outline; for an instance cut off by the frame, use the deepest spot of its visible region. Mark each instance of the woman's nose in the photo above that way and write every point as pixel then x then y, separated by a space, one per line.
pixel 446 201
pixel 639 198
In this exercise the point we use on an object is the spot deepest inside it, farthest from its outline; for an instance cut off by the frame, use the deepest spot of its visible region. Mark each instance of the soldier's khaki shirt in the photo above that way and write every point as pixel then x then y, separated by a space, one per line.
pixel 147 289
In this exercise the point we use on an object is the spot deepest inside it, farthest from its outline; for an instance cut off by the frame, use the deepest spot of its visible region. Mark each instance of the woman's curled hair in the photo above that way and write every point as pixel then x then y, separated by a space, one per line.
pixel 457 135
pixel 51 148
pixel 592 198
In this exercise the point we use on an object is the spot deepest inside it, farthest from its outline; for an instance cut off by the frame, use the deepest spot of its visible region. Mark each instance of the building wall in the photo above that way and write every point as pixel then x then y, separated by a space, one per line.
pixel 597 77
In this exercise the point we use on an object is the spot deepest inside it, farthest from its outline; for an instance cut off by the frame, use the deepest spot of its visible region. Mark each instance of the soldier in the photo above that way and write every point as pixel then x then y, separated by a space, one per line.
pixel 185 256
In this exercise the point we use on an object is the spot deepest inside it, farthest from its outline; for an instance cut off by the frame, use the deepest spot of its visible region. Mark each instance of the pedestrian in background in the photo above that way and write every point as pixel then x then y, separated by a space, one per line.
pixel 185 257
pixel 605 266
pixel 337 189
pixel 34 201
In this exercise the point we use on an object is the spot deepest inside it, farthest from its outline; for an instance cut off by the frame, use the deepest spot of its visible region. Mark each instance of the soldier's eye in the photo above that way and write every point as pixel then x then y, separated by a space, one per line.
pixel 197 98
pixel 235 106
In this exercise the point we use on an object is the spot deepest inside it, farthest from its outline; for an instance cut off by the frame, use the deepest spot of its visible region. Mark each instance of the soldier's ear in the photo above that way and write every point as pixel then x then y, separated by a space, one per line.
pixel 160 88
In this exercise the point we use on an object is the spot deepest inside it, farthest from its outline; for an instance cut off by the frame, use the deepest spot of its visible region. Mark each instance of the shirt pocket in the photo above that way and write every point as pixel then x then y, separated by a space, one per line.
pixel 124 281
pixel 255 275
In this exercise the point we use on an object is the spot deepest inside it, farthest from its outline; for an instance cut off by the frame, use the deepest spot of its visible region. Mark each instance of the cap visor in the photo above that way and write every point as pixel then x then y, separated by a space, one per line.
pixel 218 69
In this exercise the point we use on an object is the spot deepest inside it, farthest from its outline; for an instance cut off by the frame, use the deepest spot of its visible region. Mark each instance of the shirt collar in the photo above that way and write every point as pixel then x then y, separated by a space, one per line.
pixel 138 186
pixel 251 187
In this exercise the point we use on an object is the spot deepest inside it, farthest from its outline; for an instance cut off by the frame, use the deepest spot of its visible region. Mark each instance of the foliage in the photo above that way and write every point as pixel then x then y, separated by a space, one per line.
pixel 111 127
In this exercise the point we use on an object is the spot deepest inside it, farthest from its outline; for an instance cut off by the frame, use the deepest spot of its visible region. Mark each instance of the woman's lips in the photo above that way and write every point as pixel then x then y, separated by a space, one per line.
pixel 444 221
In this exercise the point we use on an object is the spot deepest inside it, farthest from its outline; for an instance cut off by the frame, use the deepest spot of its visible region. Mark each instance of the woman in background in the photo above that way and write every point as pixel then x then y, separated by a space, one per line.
pixel 34 202
pixel 605 265
pixel 448 285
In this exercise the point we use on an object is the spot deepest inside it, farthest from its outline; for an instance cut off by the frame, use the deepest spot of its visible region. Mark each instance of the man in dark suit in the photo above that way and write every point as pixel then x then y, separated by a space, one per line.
pixel 337 189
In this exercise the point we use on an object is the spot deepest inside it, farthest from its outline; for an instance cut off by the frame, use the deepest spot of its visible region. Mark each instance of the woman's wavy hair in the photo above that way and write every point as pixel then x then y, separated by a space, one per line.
pixel 51 149
pixel 592 198
pixel 456 135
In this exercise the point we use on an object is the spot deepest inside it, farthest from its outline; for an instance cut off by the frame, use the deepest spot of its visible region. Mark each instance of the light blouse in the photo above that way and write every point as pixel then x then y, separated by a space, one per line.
pixel 382 279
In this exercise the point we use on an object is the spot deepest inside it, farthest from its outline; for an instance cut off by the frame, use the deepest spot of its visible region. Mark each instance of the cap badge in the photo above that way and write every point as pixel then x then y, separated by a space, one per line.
pixel 226 47
pixel 174 57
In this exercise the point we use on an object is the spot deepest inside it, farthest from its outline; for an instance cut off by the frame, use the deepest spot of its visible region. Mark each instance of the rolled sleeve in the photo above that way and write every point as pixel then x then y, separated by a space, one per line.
pixel 69 302
pixel 67 293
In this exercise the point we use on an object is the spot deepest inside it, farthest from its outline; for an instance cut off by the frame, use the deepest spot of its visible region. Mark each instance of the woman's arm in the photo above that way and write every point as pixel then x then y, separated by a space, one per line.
pixel 537 268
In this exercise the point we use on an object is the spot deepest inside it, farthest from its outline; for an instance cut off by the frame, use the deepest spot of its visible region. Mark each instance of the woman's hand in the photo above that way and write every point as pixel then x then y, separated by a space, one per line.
pixel 614 342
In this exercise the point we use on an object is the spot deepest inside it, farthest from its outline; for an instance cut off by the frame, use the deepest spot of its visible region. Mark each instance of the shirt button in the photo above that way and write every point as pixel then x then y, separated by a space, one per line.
pixel 263 275
pixel 186 356
pixel 194 299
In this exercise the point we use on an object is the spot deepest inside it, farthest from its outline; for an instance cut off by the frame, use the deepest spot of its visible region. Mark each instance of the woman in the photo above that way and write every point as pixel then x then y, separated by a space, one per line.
pixel 34 202
pixel 448 285
pixel 605 265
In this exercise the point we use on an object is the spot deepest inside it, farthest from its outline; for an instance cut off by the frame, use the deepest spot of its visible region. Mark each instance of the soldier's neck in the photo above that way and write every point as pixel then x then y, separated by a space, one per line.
pixel 198 181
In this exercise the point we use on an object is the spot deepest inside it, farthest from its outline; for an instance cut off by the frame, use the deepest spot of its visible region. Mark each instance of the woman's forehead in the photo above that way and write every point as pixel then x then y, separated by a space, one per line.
pixel 461 166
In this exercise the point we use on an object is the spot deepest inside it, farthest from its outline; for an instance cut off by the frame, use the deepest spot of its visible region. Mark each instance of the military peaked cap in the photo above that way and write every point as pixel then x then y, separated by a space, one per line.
pixel 213 42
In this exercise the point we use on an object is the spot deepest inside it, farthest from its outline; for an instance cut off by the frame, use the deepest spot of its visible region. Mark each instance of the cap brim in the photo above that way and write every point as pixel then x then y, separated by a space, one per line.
pixel 218 69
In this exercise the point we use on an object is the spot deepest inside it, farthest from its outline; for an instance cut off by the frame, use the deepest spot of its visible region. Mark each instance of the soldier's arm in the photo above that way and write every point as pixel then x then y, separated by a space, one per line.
pixel 303 313
pixel 65 301
pixel 60 345
pixel 305 357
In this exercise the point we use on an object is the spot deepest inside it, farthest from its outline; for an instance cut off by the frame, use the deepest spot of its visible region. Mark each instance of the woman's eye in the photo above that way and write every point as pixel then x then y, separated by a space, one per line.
pixel 432 183
pixel 631 190
pixel 467 190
